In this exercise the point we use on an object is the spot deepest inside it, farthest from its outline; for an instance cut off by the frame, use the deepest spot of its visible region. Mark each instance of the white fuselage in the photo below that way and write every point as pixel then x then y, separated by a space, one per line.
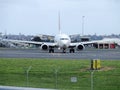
pixel 63 41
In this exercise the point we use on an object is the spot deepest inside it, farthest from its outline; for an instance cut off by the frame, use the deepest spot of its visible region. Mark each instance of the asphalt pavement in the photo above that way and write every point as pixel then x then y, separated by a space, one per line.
pixel 104 54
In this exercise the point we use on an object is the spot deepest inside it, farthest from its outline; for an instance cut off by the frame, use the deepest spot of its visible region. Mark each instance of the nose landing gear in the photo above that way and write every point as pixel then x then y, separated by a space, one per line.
pixel 64 50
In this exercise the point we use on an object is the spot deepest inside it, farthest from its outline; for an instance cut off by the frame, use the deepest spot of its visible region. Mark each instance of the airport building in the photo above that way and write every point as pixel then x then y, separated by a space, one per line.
pixel 78 38
pixel 104 45
pixel 43 38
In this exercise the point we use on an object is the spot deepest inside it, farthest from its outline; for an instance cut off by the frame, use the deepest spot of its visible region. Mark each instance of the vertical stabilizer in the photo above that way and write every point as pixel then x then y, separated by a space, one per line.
pixel 59 22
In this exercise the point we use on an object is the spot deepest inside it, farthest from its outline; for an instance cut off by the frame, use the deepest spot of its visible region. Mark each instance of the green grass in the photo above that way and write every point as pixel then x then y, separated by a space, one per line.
pixel 54 73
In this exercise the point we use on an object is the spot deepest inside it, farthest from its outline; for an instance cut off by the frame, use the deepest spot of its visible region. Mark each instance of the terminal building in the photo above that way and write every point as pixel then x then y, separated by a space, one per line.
pixel 104 45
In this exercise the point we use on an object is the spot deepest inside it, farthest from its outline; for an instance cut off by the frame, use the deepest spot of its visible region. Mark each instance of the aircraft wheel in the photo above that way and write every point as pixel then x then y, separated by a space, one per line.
pixel 51 50
pixel 72 50
pixel 64 51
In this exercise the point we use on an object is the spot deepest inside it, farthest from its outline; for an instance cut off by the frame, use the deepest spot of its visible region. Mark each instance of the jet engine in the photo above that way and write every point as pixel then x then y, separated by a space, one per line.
pixel 44 47
pixel 80 47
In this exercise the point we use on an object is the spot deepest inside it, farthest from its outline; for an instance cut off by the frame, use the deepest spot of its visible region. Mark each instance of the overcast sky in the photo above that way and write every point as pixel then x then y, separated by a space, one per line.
pixel 32 17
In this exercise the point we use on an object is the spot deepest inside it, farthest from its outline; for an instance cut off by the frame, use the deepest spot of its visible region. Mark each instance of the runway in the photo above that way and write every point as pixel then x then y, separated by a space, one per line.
pixel 111 54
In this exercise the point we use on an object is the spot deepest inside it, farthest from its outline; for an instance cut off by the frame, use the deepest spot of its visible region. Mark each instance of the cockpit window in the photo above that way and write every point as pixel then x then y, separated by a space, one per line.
pixel 63 38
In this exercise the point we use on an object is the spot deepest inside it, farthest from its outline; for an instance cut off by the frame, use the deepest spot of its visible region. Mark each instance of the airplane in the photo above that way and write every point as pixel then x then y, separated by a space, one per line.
pixel 63 42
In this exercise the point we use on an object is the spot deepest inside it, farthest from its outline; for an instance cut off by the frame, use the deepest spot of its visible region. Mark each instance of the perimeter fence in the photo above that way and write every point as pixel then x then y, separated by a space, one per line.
pixel 63 79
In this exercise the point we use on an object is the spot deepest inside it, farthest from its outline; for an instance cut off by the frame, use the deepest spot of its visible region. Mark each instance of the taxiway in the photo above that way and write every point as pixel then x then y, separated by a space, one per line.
pixel 112 54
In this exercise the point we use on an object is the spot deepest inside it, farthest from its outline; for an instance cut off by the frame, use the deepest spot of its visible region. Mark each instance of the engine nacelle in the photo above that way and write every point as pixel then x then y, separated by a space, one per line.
pixel 80 47
pixel 44 47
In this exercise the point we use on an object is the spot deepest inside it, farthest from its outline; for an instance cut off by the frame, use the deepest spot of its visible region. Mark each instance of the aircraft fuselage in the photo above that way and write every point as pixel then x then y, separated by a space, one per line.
pixel 63 41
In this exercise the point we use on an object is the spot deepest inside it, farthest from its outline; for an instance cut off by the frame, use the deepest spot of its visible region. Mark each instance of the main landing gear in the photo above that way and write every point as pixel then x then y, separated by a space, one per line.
pixel 72 50
pixel 51 50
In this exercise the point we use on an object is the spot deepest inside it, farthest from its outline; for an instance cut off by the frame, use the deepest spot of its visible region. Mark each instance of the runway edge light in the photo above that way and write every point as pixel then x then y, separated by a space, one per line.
pixel 95 64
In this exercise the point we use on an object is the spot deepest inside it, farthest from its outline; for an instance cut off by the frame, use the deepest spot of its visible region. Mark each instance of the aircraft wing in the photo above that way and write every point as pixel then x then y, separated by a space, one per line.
pixel 81 45
pixel 84 43
pixel 22 41
pixel 49 44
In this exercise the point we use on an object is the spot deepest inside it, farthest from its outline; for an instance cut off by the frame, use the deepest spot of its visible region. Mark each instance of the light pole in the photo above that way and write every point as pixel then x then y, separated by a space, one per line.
pixel 83 25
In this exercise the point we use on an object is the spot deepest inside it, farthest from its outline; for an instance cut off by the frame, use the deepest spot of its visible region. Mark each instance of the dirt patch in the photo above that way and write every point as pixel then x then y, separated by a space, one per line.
pixel 101 69
pixel 106 68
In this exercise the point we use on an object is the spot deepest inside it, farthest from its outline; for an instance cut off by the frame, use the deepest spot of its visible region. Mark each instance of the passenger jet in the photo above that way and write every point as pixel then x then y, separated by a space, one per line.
pixel 61 41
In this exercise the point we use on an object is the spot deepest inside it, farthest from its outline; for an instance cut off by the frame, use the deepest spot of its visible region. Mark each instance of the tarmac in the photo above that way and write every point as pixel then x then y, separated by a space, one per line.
pixel 103 54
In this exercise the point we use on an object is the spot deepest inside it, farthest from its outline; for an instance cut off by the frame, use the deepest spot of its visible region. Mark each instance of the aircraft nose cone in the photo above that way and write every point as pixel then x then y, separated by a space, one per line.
pixel 65 44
